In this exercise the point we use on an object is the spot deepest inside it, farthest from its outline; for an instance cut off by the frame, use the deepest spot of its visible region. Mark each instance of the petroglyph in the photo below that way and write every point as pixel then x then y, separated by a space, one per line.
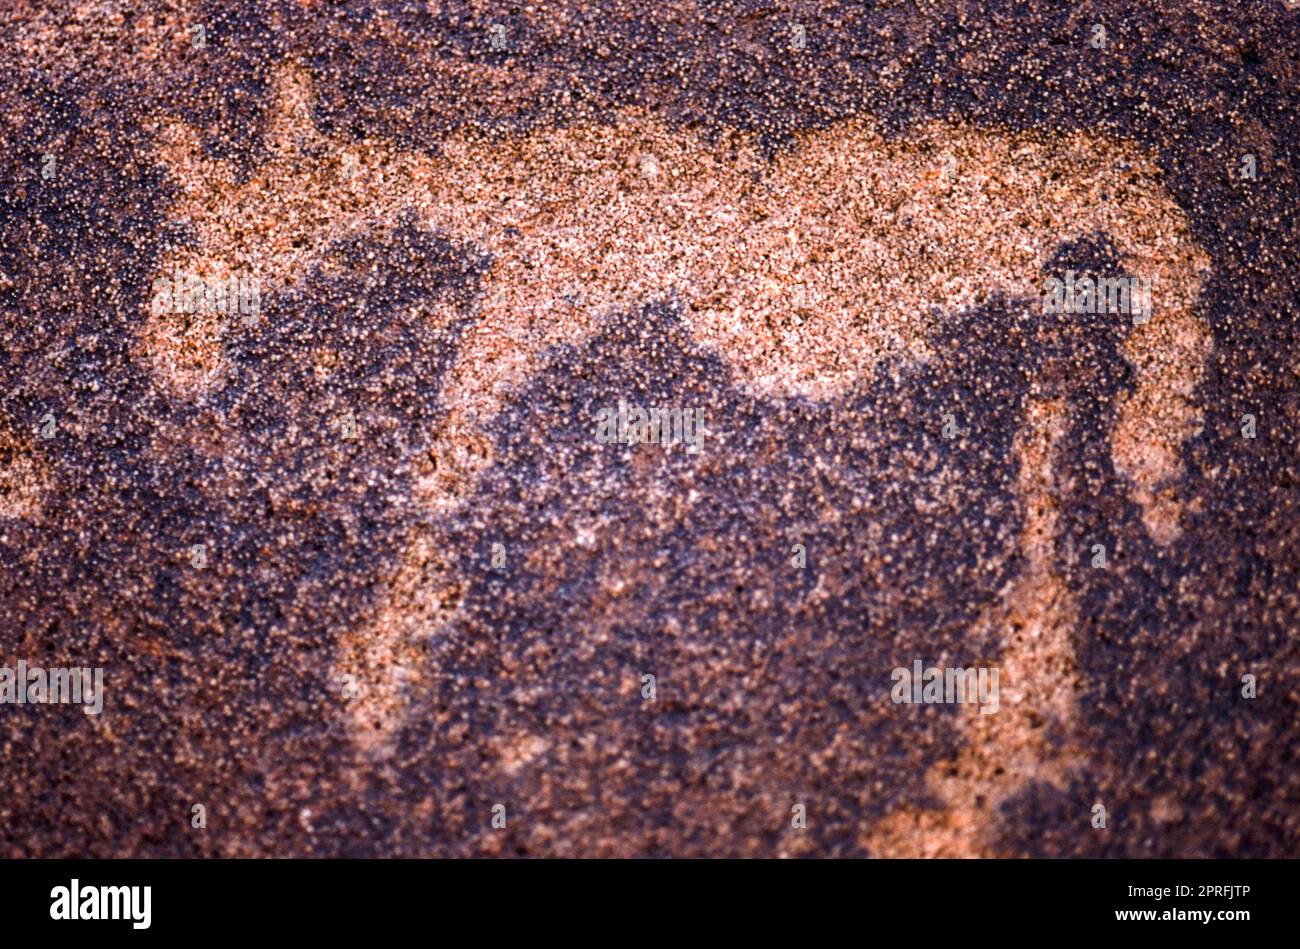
pixel 806 273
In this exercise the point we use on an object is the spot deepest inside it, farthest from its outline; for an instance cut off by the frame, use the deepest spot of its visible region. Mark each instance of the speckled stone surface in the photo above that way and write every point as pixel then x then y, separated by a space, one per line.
pixel 430 594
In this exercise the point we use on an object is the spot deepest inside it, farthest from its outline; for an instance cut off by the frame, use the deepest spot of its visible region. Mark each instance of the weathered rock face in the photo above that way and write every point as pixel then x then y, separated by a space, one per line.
pixel 427 588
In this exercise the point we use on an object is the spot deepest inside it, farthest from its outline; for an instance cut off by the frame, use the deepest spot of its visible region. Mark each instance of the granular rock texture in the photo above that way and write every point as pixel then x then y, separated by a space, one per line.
pixel 429 594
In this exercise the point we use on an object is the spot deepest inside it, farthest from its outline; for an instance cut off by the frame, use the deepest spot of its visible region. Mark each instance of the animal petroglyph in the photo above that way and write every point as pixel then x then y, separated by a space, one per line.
pixel 807 273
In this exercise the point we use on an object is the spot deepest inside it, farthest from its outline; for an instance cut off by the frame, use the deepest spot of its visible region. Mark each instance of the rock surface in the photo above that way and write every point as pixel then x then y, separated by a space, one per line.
pixel 431 595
